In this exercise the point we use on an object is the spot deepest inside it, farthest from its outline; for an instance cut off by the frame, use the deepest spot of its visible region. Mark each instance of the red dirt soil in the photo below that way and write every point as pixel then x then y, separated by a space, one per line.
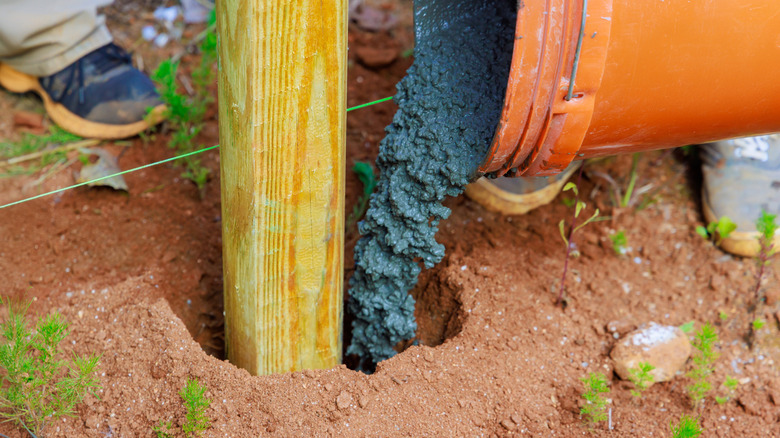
pixel 138 276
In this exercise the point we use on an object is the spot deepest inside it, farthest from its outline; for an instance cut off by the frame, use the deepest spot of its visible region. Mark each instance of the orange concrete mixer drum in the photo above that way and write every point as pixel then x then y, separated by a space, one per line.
pixel 599 77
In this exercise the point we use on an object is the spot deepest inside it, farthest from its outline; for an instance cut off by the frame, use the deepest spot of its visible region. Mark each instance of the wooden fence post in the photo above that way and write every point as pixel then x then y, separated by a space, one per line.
pixel 282 103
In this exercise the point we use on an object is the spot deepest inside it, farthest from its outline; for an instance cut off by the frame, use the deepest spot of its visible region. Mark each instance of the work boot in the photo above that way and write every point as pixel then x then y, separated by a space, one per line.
pixel 99 96
pixel 518 195
pixel 741 178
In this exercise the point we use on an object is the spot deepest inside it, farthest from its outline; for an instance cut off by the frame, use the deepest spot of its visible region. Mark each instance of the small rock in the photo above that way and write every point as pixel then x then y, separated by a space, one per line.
pixel 598 329
pixel 620 327
pixel 590 237
pixel 92 422
pixel 363 401
pixel 717 282
pixel 328 387
pixel 28 119
pixel 508 424
pixel 343 400
pixel 428 356
pixel 168 256
pixel 517 419
pixel 772 296
pixel 462 403
pixel 665 347
pixel 375 57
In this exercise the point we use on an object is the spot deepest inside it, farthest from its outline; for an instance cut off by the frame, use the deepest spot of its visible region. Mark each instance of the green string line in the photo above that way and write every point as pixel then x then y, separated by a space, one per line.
pixel 188 154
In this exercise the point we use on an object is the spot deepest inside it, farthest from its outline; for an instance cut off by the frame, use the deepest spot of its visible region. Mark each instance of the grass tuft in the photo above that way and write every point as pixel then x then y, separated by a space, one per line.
pixel 37 385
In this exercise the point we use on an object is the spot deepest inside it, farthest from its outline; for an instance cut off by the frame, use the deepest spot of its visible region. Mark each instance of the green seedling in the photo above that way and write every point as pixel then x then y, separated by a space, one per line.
pixel 766 227
pixel 367 176
pixel 641 378
pixel 38 386
pixel 619 242
pixel 703 359
pixel 624 202
pixel 688 427
pixel 567 236
pixel 687 327
pixel 163 429
pixel 717 230
pixel 723 316
pixel 595 408
pixel 195 403
pixel 185 114
pixel 731 388
pixel 30 144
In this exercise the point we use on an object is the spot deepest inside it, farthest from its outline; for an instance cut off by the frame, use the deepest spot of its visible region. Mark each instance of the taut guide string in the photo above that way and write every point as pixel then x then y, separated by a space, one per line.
pixel 135 169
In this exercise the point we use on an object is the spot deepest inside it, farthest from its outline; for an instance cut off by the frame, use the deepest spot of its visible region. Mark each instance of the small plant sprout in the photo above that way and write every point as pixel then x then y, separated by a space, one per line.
pixel 186 114
pixel 758 324
pixel 703 359
pixel 687 327
pixel 723 316
pixel 567 233
pixel 163 429
pixel 38 386
pixel 717 230
pixel 688 427
pixel 766 227
pixel 731 388
pixel 619 242
pixel 195 403
pixel 595 408
pixel 641 378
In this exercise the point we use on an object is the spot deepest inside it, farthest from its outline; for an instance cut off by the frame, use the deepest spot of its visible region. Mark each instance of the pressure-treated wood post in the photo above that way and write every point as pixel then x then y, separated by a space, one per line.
pixel 282 89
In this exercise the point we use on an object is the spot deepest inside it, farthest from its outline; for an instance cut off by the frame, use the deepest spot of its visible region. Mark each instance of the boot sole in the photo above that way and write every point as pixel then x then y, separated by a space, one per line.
pixel 741 243
pixel 18 82
pixel 486 194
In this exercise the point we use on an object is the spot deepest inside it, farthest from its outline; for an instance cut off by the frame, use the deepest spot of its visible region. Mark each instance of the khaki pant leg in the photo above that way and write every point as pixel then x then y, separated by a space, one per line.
pixel 41 37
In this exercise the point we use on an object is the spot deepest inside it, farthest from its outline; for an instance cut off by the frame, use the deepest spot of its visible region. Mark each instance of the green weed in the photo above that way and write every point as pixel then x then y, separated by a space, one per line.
pixel 703 359
pixel 186 114
pixel 595 408
pixel 766 226
pixel 731 388
pixel 717 230
pixel 163 429
pixel 723 316
pixel 688 427
pixel 619 242
pixel 641 378
pixel 367 176
pixel 37 386
pixel 633 175
pixel 572 229
pixel 687 327
pixel 196 421
pixel 31 143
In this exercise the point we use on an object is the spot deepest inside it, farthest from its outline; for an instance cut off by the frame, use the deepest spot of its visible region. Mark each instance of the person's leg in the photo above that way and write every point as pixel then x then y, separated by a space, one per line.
pixel 62 51
pixel 42 37
pixel 741 178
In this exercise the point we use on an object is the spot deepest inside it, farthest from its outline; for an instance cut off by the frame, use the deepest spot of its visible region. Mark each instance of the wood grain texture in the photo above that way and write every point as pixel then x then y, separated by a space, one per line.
pixel 282 103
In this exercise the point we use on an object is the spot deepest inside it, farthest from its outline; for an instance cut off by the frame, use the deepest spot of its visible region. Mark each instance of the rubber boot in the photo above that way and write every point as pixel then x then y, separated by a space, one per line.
pixel 518 195
pixel 741 178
